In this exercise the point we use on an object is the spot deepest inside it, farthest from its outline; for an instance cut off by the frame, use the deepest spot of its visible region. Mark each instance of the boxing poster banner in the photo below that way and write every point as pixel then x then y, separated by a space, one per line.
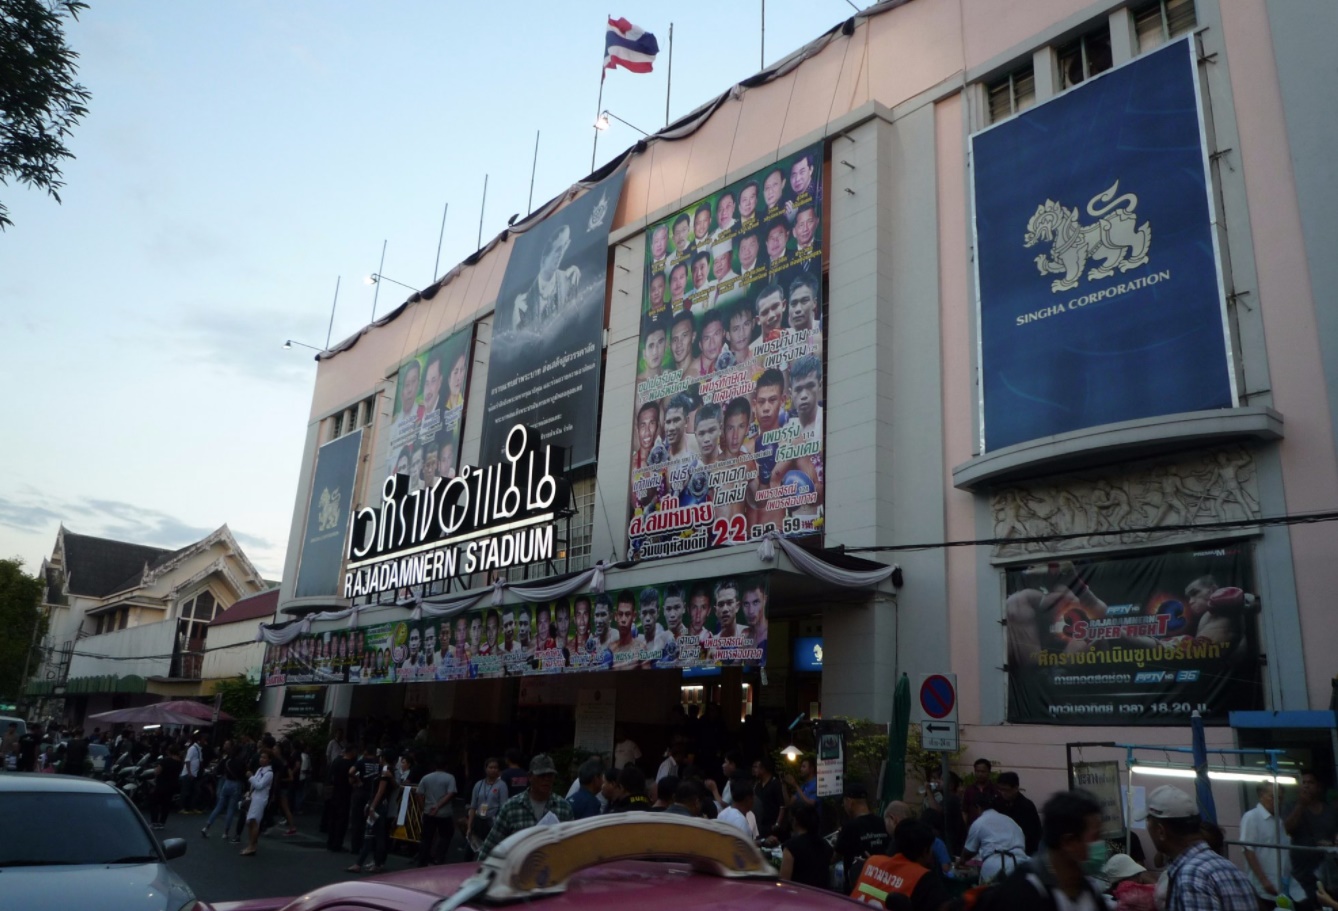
pixel 548 332
pixel 1100 293
pixel 428 416
pixel 1134 640
pixel 327 517
pixel 705 623
pixel 727 439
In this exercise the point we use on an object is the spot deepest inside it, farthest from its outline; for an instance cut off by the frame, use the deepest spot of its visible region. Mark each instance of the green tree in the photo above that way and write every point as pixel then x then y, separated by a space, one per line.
pixel 40 101
pixel 23 623
pixel 241 700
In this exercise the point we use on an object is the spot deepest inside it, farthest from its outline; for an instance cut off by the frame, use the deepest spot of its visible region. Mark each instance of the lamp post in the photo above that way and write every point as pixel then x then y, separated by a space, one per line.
pixel 376 278
pixel 602 122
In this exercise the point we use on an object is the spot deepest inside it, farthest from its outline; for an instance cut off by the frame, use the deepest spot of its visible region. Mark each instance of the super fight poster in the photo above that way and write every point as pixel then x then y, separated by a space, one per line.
pixel 1143 640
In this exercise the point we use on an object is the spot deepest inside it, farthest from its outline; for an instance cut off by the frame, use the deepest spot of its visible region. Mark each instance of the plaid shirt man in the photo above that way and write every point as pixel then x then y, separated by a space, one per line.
pixel 1201 880
pixel 518 813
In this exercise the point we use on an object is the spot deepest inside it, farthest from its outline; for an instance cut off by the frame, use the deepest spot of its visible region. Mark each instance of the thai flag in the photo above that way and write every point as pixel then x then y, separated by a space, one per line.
pixel 629 46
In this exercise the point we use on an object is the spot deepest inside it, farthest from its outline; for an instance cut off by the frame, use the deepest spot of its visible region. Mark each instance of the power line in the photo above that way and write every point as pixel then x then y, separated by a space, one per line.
pixel 1266 522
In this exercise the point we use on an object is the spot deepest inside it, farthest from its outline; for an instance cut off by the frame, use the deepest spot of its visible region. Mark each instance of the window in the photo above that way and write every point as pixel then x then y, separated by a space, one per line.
pixel 582 524
pixel 1163 20
pixel 1012 93
pixel 193 620
pixel 368 410
pixel 338 426
pixel 1084 57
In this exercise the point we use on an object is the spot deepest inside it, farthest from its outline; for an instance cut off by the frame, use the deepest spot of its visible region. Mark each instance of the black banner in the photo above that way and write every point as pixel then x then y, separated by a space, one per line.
pixel 1142 640
pixel 327 517
pixel 543 364
pixel 303 702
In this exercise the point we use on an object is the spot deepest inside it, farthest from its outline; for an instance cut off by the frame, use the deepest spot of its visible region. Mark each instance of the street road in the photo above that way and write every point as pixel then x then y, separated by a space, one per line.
pixel 282 866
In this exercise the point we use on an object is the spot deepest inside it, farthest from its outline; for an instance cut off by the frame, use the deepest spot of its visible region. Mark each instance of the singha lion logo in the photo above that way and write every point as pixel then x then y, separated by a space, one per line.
pixel 1116 239
pixel 599 211
pixel 328 517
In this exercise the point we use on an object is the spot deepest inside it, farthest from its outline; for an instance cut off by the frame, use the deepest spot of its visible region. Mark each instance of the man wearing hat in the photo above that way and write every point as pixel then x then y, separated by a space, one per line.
pixel 1198 879
pixel 864 835
pixel 529 807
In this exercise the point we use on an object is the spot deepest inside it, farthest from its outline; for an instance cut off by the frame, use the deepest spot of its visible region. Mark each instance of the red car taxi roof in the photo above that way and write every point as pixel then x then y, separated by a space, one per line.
pixel 640 885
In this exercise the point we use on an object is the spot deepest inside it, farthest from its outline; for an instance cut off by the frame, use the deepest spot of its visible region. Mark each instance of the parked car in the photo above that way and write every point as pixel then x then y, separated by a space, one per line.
pixel 647 861
pixel 75 843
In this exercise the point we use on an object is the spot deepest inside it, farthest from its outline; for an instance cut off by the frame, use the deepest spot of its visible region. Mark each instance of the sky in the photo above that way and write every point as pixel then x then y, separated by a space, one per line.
pixel 237 160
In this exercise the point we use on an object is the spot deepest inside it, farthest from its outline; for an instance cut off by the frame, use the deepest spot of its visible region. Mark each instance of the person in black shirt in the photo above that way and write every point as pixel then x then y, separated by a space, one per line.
pixel 863 835
pixel 769 806
pixel 28 748
pixel 341 797
pixel 165 786
pixel 806 858
pixel 516 776
pixel 630 791
pixel 1012 803
pixel 362 779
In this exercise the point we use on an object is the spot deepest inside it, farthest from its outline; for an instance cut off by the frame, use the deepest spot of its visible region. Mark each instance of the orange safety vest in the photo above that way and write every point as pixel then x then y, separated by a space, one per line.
pixel 883 876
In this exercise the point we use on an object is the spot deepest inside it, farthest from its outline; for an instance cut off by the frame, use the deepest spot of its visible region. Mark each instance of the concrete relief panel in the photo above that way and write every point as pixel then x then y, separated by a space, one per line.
pixel 1104 509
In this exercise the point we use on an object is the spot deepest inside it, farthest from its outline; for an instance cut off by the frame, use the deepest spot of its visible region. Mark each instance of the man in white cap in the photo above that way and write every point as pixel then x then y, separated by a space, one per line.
pixel 530 807
pixel 1198 878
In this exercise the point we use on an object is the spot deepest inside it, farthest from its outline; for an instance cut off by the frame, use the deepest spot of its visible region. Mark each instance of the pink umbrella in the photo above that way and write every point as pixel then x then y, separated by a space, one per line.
pixel 176 711
pixel 195 709
pixel 147 714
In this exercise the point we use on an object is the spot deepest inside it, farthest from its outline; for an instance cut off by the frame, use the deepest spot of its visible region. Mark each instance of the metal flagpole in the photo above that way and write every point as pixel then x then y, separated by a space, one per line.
pixel 764 34
pixel 440 234
pixel 669 83
pixel 332 312
pixel 529 206
pixel 377 292
pixel 482 206
pixel 599 106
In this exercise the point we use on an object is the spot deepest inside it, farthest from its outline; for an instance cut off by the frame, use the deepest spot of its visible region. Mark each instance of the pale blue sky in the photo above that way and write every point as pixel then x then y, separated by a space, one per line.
pixel 237 158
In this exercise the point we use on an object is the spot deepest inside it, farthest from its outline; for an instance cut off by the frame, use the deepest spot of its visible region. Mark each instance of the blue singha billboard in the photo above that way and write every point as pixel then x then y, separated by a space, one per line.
pixel 1100 293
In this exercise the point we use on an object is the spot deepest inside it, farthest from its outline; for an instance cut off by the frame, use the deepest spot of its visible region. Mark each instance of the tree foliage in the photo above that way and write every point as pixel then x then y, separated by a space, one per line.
pixel 22 626
pixel 40 101
pixel 241 700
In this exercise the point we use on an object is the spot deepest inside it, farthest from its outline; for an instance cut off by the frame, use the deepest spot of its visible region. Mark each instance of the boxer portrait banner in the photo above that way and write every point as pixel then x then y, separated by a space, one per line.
pixel 1141 640
pixel 727 434
pixel 428 414
pixel 690 625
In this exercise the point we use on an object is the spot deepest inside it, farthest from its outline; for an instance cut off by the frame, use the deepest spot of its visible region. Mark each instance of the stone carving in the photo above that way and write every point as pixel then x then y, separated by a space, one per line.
pixel 1127 505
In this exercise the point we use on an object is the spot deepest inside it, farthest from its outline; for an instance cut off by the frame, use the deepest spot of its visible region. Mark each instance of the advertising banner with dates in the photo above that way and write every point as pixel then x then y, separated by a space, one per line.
pixel 727 439
pixel 1142 640
pixel 703 623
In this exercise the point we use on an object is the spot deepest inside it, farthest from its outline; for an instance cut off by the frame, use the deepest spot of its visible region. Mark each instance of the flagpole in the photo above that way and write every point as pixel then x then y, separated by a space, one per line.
pixel 441 234
pixel 482 205
pixel 599 106
pixel 764 34
pixel 529 206
pixel 669 83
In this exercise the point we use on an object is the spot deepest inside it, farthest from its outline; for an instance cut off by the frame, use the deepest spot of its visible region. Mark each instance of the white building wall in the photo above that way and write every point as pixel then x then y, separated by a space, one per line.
pixel 144 651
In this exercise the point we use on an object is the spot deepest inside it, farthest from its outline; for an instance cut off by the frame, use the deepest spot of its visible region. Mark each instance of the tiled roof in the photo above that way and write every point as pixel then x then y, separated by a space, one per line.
pixel 97 567
pixel 256 607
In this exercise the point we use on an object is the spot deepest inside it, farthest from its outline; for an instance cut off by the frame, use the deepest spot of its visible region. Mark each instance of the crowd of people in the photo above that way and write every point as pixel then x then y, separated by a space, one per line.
pixel 983 842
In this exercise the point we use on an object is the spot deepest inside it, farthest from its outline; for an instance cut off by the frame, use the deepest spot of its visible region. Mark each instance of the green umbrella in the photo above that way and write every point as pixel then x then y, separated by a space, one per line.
pixel 894 777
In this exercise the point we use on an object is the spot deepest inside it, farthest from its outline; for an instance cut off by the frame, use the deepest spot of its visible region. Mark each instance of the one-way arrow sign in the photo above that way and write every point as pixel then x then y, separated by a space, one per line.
pixel 939 735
